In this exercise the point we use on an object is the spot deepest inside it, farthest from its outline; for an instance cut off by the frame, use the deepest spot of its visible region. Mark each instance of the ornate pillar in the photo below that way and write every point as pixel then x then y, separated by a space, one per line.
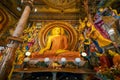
pixel 9 56
pixel 23 19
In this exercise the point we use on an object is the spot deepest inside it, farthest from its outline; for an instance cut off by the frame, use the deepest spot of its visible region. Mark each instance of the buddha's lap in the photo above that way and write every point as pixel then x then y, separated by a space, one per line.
pixel 68 54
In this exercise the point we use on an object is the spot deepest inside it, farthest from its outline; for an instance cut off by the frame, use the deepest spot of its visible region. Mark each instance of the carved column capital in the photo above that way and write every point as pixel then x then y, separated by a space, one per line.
pixel 28 3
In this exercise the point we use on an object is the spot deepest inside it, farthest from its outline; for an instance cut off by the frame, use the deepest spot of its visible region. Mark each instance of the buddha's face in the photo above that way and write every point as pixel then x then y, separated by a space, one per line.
pixel 57 31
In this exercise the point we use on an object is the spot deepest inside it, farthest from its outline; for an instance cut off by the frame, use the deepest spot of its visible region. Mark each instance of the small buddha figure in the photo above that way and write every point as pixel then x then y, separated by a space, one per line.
pixel 57 45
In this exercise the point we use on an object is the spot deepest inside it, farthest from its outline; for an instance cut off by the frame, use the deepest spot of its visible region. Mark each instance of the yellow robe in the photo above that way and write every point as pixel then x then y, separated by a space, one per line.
pixel 94 34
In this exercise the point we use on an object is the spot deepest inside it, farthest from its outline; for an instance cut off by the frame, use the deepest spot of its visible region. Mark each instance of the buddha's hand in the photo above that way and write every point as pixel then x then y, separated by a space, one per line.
pixel 60 51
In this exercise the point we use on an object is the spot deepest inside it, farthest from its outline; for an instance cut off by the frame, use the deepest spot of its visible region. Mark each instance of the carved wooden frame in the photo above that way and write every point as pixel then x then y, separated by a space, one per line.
pixel 71 33
pixel 62 6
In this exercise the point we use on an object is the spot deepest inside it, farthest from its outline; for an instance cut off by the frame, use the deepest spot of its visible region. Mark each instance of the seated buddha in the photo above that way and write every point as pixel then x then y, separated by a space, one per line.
pixel 56 46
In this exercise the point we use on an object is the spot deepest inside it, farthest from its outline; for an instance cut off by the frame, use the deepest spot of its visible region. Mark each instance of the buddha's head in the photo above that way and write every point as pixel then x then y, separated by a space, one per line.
pixel 57 31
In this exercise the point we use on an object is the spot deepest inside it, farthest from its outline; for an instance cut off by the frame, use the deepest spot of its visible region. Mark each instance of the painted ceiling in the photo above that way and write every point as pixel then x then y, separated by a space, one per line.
pixel 57 9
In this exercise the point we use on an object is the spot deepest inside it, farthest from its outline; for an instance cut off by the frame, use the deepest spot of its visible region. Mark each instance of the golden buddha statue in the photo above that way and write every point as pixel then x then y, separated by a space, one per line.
pixel 57 45
pixel 55 40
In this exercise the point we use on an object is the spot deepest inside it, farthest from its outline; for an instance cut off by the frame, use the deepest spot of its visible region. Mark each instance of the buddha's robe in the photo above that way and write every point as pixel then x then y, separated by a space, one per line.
pixel 95 34
pixel 58 43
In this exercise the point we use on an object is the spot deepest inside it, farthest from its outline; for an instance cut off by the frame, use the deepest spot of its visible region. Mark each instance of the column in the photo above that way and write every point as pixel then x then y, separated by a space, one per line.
pixel 54 75
pixel 23 20
pixel 9 57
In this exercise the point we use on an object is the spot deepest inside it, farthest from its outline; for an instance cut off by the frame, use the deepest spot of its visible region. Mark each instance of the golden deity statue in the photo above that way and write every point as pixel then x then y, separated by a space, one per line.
pixel 57 45
pixel 55 42
pixel 95 34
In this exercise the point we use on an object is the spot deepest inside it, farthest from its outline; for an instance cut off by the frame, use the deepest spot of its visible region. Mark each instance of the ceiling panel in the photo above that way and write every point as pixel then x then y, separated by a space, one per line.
pixel 43 10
